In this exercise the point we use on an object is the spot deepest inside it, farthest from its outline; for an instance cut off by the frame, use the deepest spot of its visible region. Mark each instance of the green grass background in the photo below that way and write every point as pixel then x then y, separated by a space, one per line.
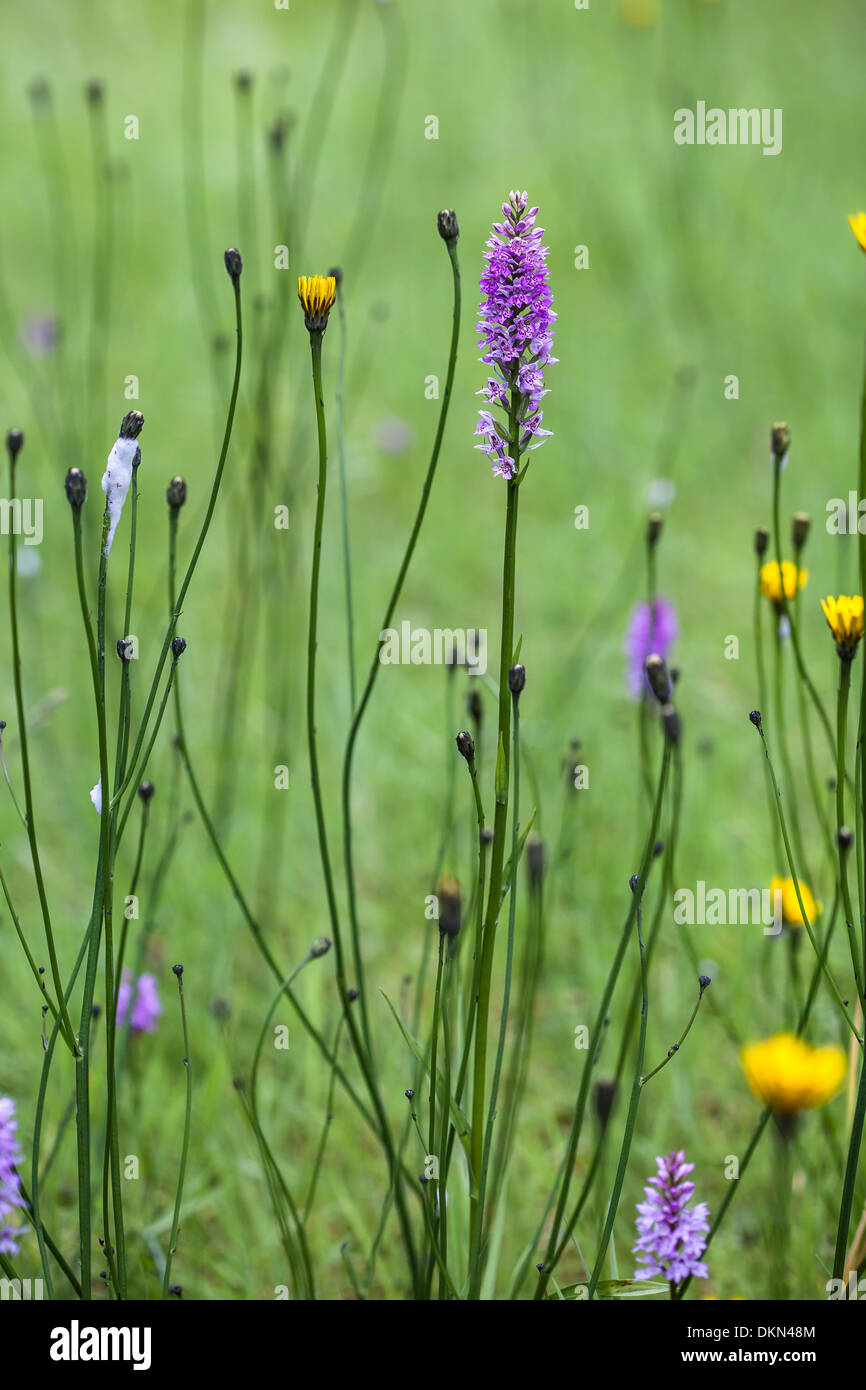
pixel 704 262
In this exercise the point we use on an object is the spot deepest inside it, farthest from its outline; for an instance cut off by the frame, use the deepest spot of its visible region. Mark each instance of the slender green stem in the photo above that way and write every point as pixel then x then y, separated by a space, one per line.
pixel 841 736
pixel 500 823
pixel 184 1152
pixel 386 623
pixel 33 840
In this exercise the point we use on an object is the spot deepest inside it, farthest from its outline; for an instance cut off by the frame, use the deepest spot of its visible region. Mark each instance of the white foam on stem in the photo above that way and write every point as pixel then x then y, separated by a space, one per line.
pixel 115 482
pixel 96 796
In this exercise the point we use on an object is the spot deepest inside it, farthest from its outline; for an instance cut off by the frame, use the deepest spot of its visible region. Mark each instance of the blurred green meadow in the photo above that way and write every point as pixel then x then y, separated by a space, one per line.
pixel 703 263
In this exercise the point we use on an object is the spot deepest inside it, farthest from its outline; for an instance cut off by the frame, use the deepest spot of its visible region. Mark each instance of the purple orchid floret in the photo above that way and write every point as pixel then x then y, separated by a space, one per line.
pixel 10 1183
pixel 516 334
pixel 144 999
pixel 670 1235
pixel 651 629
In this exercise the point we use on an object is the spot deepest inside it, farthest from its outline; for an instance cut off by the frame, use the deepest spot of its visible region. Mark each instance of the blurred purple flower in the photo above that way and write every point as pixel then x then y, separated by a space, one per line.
pixel 393 435
pixel 516 333
pixel 144 999
pixel 39 335
pixel 670 1236
pixel 650 629
pixel 10 1157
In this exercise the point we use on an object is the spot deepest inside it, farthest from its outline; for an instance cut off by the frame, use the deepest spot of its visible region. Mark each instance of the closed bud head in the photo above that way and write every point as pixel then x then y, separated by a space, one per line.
pixel 447 224
pixel 76 488
pixel 178 647
pixel 516 679
pixel 474 706
pixel 844 838
pixel 449 898
pixel 762 540
pixel 659 678
pixel 755 717
pixel 95 92
pixel 145 790
pixel 177 970
pixel 780 441
pixel 800 529
pixel 234 264
pixel 175 493
pixel 351 995
pixel 605 1095
pixel 654 528
pixel 320 947
pixel 535 863
pixel 131 425
pixel 466 746
pixel 14 443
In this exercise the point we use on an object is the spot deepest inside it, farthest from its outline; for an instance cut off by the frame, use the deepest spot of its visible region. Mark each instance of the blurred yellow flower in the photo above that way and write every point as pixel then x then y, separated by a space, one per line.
pixel 790 1075
pixel 858 227
pixel 792 578
pixel 845 619
pixel 791 914
pixel 639 14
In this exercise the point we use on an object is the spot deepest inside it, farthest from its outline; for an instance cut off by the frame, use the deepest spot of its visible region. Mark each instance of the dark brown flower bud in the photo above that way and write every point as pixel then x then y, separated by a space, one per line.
pixel 449 898
pixel 844 838
pixel 178 647
pixel 659 678
pixel 800 530
pixel 175 493
pixel 762 540
pixel 14 443
pixel 516 679
pixel 131 425
pixel 145 790
pixel 234 264
pixel 320 947
pixel 94 92
pixel 780 441
pixel 474 706
pixel 76 488
pixel 466 746
pixel 448 226
pixel 654 528
pixel 605 1095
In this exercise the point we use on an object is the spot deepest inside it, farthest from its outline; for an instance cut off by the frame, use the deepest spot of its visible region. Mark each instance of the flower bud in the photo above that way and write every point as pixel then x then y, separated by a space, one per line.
pixel 145 791
pixel 466 746
pixel 780 441
pixel 234 264
pixel 320 947
pixel 175 493
pixel 14 443
pixel 762 540
pixel 76 488
pixel 654 529
pixel 659 678
pixel 131 425
pixel 800 529
pixel 605 1095
pixel 448 227
pixel 449 898
pixel 178 647
pixel 516 679
pixel 844 838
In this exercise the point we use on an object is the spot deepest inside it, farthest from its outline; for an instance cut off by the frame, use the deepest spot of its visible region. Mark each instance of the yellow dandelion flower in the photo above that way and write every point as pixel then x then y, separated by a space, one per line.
pixel 790 1075
pixel 792 579
pixel 845 619
pixel 791 914
pixel 858 227
pixel 317 294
